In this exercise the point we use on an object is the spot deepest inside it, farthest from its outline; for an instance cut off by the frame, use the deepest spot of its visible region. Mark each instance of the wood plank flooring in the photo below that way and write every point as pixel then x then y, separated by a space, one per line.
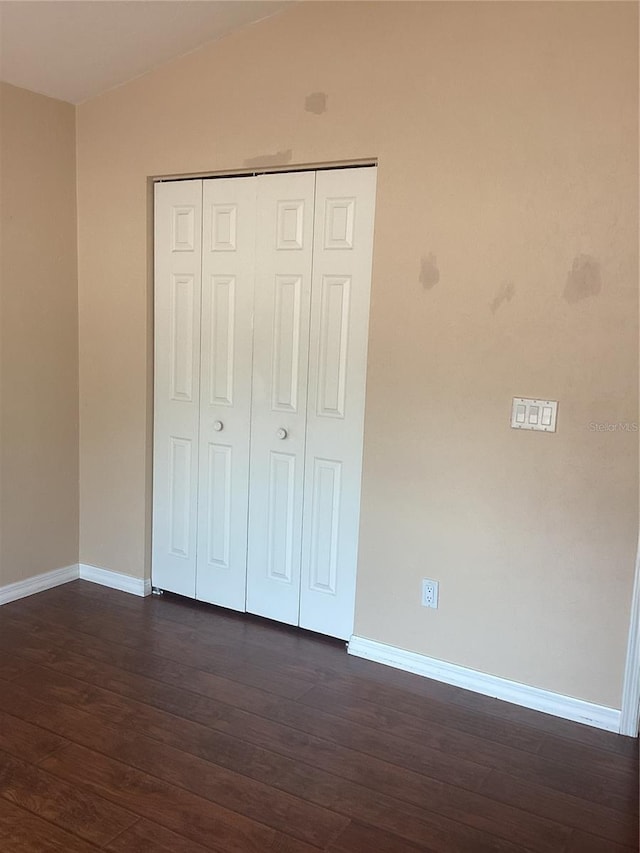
pixel 145 725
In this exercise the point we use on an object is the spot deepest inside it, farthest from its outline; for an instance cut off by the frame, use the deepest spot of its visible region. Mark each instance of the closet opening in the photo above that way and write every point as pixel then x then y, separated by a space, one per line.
pixel 261 294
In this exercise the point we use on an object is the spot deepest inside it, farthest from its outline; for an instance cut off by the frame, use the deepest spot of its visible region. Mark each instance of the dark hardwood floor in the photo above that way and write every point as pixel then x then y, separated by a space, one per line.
pixel 145 725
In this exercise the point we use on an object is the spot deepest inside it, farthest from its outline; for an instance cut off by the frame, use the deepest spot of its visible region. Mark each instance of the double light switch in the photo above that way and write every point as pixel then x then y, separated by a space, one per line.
pixel 534 414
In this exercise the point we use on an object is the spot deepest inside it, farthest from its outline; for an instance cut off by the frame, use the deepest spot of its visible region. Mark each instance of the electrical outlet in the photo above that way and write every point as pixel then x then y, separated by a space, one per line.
pixel 429 593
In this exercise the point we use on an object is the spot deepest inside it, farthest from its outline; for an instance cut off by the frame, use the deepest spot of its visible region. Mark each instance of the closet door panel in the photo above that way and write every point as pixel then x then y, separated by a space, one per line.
pixel 228 271
pixel 280 371
pixel 343 244
pixel 178 224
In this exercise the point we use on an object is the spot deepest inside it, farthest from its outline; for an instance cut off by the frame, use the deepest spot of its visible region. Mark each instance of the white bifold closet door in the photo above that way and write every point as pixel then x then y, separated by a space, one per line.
pixel 340 290
pixel 262 303
pixel 228 249
pixel 284 253
pixel 178 265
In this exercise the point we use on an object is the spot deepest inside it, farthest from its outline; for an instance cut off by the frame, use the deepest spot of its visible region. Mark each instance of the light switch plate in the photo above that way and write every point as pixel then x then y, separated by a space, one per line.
pixel 534 414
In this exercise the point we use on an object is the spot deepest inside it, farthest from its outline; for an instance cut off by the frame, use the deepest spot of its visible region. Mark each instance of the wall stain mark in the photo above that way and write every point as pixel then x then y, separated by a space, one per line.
pixel 583 280
pixel 316 103
pixel 504 294
pixel 280 158
pixel 429 272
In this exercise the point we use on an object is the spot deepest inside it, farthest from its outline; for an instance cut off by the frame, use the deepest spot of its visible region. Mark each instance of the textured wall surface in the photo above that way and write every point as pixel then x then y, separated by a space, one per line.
pixel 505 264
pixel 39 336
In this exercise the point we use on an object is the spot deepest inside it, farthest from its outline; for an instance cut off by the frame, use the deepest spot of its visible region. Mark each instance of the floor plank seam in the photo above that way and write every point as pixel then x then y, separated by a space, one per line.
pixel 124 831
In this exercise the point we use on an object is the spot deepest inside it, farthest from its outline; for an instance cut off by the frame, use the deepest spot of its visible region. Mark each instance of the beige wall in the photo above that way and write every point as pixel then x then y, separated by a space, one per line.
pixel 39 336
pixel 506 136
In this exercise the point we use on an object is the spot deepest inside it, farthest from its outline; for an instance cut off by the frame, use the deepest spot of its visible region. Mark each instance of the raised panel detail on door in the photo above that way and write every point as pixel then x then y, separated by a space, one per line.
pixel 343 242
pixel 178 229
pixel 223 227
pixel 338 223
pixel 218 511
pixel 182 337
pixel 183 232
pixel 286 343
pixel 282 496
pixel 290 224
pixel 325 521
pixel 222 352
pixel 279 402
pixel 228 251
pixel 334 336
pixel 179 497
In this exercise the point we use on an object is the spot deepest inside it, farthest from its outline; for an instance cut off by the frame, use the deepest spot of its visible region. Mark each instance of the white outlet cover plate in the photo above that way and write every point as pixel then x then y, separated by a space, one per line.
pixel 529 413
pixel 429 593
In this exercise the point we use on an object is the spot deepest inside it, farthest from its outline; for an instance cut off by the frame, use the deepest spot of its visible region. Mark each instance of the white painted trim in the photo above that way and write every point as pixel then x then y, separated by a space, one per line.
pixel 115 580
pixel 104 577
pixel 630 714
pixel 489 685
pixel 47 580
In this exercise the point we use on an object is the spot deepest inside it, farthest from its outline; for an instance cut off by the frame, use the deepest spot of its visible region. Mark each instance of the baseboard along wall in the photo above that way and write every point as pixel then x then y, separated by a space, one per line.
pixel 489 685
pixel 115 580
pixel 48 580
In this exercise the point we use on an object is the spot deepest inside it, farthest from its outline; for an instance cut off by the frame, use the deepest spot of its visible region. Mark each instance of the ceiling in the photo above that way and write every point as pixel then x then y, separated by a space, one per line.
pixel 76 49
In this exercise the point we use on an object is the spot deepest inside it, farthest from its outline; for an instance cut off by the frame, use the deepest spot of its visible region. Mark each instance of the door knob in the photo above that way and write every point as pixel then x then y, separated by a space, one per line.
pixel 218 425
pixel 282 433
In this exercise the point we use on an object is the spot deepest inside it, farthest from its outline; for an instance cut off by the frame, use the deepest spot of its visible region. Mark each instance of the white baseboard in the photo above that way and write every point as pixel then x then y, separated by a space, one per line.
pixel 104 577
pixel 47 580
pixel 489 685
pixel 115 580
